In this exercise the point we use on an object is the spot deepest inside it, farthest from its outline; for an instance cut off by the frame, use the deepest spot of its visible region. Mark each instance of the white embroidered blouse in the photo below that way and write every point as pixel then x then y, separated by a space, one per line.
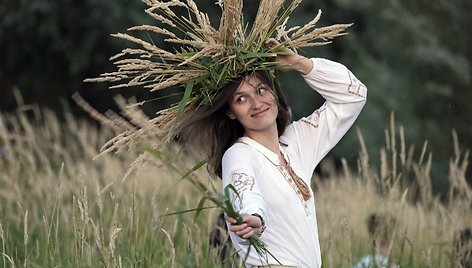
pixel 265 188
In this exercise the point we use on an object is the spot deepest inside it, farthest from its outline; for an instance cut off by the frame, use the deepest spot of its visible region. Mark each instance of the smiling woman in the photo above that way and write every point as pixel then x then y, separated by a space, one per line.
pixel 234 113
pixel 270 160
pixel 272 168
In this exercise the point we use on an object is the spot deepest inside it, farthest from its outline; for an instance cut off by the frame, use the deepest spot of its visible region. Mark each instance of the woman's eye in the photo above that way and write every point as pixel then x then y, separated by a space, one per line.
pixel 241 99
pixel 261 90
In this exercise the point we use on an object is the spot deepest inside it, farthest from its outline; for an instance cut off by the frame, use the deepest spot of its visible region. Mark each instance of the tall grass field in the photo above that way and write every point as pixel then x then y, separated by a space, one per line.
pixel 60 206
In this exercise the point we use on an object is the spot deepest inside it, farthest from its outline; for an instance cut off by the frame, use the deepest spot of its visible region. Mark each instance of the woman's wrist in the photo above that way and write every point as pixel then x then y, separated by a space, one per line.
pixel 303 65
pixel 263 226
pixel 287 57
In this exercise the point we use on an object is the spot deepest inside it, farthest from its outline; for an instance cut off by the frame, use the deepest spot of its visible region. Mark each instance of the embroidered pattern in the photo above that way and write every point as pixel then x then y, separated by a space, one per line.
pixel 289 175
pixel 355 85
pixel 315 117
pixel 242 182
pixel 299 186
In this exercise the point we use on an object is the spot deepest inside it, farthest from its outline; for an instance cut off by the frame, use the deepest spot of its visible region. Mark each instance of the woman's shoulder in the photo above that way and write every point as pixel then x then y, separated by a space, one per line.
pixel 307 123
pixel 238 151
pixel 239 158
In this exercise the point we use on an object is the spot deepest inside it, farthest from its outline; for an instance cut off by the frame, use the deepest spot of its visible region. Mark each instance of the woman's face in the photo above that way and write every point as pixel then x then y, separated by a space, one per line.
pixel 254 105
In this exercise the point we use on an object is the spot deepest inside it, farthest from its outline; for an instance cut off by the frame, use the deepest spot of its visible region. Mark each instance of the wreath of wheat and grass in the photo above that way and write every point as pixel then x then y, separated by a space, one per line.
pixel 207 59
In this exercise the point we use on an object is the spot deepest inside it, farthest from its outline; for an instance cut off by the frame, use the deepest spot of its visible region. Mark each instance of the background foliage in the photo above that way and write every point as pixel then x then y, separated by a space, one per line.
pixel 59 207
pixel 414 56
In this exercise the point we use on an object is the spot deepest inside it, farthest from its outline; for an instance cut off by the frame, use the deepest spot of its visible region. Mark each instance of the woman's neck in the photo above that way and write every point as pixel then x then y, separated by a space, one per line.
pixel 268 139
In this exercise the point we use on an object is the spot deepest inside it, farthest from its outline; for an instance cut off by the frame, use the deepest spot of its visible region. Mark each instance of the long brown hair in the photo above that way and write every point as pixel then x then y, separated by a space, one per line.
pixel 209 129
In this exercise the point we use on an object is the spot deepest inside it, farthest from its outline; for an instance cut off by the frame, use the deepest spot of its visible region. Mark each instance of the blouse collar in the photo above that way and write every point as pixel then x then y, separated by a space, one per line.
pixel 273 157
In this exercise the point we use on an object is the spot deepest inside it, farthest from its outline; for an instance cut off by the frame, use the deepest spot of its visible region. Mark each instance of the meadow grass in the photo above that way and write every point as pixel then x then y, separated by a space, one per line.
pixel 61 207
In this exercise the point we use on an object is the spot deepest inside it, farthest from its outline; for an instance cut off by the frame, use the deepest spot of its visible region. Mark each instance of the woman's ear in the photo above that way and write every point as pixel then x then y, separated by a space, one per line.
pixel 230 114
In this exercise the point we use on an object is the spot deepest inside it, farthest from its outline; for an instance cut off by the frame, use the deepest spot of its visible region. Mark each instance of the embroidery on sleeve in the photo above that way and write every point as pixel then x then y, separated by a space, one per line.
pixel 355 85
pixel 242 182
pixel 313 121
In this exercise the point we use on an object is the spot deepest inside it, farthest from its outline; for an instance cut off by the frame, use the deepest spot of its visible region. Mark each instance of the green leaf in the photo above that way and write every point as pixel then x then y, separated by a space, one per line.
pixel 155 152
pixel 193 169
pixel 199 208
pixel 232 188
pixel 228 205
pixel 163 155
pixel 223 72
pixel 185 99
pixel 186 54
pixel 187 211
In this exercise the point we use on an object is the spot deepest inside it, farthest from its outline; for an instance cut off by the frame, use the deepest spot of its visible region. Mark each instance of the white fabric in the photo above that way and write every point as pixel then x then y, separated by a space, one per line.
pixel 292 233
pixel 377 261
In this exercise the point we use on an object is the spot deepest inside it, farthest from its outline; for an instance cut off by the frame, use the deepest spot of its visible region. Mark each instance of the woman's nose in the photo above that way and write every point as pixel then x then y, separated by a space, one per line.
pixel 256 102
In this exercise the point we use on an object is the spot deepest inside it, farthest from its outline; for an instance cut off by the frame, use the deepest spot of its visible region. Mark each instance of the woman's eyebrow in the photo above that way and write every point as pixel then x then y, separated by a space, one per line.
pixel 255 86
pixel 258 84
pixel 237 94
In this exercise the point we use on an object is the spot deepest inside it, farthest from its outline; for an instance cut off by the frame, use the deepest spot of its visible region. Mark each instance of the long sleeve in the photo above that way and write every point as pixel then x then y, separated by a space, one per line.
pixel 239 169
pixel 318 133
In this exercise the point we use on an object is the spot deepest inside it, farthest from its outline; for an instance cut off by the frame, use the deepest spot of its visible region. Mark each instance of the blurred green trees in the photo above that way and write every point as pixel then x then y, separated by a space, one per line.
pixel 414 56
pixel 48 47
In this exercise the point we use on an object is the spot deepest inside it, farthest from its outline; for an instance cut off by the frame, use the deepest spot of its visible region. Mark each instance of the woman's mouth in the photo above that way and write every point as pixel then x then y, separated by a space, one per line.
pixel 260 113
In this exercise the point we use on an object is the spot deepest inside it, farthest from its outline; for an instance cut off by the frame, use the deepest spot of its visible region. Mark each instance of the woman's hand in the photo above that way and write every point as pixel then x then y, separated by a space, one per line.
pixel 251 225
pixel 288 58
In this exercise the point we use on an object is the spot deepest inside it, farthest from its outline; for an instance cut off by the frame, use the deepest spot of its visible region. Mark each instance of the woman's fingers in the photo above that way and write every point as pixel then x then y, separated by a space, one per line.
pixel 289 58
pixel 250 232
pixel 252 221
pixel 242 230
pixel 251 226
pixel 230 220
pixel 238 227
pixel 245 232
pixel 272 42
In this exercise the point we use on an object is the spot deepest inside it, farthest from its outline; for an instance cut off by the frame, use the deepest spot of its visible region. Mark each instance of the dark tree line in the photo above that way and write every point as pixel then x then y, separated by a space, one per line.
pixel 414 56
